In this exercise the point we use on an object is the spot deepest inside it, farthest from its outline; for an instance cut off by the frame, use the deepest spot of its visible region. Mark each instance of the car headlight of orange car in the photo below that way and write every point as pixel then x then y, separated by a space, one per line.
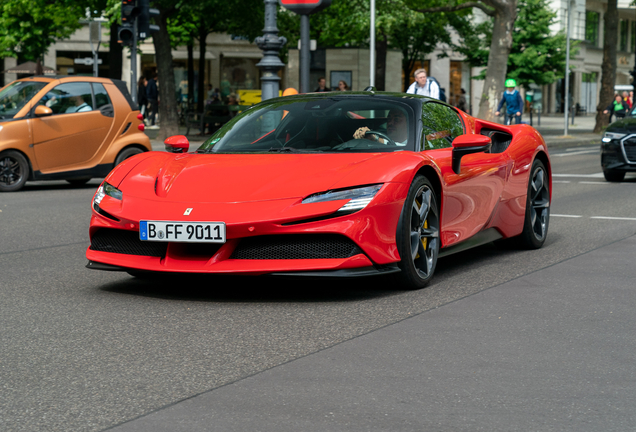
pixel 359 197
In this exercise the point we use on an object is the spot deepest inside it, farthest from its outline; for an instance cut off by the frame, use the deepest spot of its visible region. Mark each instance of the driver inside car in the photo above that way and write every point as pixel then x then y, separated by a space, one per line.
pixel 396 129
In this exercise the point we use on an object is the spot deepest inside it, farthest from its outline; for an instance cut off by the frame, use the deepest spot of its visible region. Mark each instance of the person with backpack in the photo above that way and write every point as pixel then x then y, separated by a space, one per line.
pixel 424 86
pixel 513 101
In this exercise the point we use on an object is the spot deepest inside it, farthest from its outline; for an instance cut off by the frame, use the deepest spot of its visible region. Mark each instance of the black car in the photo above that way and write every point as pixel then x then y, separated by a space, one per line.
pixel 618 148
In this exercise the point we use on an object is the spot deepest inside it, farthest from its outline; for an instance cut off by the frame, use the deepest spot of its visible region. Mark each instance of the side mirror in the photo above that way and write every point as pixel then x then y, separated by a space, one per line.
pixel 42 111
pixel 467 144
pixel 177 144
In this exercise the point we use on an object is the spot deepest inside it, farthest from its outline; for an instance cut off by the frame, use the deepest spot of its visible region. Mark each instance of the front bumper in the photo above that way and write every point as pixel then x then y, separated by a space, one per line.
pixel 288 238
pixel 619 154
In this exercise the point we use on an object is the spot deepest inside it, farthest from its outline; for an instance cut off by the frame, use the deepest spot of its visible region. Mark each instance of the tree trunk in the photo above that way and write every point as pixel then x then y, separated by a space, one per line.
pixel 203 35
pixel 505 15
pixel 608 68
pixel 115 54
pixel 190 76
pixel 169 116
pixel 380 64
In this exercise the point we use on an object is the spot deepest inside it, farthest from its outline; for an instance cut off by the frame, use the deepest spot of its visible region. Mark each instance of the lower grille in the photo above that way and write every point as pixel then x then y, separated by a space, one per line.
pixel 296 246
pixel 126 242
pixel 630 149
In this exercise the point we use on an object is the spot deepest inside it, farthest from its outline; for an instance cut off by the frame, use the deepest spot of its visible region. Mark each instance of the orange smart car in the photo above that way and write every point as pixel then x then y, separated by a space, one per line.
pixel 66 128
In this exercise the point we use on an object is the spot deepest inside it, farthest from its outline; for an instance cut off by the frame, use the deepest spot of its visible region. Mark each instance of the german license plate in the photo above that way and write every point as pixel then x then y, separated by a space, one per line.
pixel 197 232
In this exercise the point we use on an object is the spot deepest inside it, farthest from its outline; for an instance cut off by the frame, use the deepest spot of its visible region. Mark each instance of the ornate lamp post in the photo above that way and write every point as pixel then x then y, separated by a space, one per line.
pixel 271 44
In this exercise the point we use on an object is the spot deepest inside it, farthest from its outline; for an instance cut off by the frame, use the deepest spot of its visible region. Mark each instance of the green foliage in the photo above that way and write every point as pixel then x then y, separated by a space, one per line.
pixel 536 57
pixel 29 27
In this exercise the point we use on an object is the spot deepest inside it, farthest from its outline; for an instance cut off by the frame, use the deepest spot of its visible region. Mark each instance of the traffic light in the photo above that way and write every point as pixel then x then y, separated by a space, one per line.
pixel 129 13
pixel 144 28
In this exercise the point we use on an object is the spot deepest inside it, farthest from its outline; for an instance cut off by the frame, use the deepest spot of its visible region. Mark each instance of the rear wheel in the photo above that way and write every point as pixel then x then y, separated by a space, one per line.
pixel 126 153
pixel 613 175
pixel 418 235
pixel 14 171
pixel 537 218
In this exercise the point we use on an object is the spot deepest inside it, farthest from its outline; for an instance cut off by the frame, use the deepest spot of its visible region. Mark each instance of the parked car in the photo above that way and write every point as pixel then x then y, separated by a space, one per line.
pixel 66 128
pixel 326 184
pixel 618 148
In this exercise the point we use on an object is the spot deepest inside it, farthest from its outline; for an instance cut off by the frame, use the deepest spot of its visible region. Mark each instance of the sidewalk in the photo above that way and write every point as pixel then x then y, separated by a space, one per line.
pixel 551 127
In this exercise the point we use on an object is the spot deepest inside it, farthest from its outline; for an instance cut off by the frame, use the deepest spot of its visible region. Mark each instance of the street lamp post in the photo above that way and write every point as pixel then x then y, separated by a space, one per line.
pixel 567 71
pixel 271 44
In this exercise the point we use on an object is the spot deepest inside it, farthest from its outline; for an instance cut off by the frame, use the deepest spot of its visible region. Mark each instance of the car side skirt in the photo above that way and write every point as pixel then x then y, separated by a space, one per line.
pixel 479 239
pixel 101 171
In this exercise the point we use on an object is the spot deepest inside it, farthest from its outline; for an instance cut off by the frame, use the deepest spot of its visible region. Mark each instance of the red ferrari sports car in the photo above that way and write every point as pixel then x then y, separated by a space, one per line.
pixel 330 184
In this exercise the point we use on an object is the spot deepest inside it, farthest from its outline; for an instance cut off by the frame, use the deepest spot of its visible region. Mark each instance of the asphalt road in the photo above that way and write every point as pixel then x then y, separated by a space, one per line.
pixel 85 351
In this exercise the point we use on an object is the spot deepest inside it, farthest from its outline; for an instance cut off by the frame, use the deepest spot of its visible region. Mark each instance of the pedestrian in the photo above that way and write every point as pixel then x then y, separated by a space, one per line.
pixel 322 85
pixel 152 93
pixel 142 100
pixel 513 101
pixel 461 101
pixel 424 86
pixel 342 85
pixel 618 108
pixel 628 100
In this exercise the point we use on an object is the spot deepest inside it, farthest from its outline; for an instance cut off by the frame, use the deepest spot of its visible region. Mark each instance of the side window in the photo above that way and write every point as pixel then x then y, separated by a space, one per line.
pixel 441 125
pixel 69 98
pixel 101 95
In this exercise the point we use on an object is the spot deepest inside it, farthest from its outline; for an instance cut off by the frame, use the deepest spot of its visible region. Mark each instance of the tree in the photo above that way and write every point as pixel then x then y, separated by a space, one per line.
pixel 347 23
pixel 536 56
pixel 504 13
pixel 608 68
pixel 29 27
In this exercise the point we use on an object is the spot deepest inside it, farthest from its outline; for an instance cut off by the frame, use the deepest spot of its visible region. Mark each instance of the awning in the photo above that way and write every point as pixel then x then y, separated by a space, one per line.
pixel 29 68
pixel 243 54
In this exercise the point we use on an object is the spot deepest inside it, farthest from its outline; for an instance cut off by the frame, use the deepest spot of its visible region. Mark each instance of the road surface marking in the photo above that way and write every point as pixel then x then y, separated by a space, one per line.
pixel 612 218
pixel 575 153
pixel 596 175
pixel 566 216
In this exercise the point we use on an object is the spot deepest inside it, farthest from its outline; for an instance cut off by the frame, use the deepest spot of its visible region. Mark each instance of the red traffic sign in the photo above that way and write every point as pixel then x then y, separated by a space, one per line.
pixel 305 7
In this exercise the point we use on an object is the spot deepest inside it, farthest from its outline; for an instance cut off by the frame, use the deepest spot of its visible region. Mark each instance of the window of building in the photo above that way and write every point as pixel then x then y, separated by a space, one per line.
pixel 622 35
pixel 591 27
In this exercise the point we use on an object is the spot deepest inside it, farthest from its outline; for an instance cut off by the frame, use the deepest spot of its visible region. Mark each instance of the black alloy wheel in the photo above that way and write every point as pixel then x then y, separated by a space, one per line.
pixel 14 171
pixel 418 235
pixel 537 218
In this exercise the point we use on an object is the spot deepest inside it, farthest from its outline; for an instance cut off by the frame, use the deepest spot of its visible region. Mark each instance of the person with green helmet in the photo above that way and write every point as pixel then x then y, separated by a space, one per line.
pixel 513 101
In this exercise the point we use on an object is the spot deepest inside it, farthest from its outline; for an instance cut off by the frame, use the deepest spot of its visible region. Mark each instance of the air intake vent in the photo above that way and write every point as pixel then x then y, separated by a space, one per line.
pixel 296 246
pixel 126 242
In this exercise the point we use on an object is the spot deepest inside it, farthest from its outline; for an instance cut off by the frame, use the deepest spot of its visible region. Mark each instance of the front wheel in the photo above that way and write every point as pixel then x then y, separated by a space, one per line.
pixel 418 235
pixel 537 218
pixel 14 171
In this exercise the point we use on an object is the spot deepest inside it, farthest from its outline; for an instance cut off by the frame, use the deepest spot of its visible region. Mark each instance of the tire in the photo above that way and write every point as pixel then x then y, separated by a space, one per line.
pixel 126 153
pixel 78 181
pixel 614 176
pixel 418 235
pixel 14 171
pixel 537 217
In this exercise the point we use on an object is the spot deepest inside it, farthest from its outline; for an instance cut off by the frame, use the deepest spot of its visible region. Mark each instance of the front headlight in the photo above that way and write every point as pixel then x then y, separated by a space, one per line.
pixel 107 189
pixel 611 135
pixel 358 197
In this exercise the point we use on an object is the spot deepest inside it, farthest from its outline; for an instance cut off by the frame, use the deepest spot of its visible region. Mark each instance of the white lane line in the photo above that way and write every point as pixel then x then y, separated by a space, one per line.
pixel 561 181
pixel 575 153
pixel 594 182
pixel 566 216
pixel 612 218
pixel 595 175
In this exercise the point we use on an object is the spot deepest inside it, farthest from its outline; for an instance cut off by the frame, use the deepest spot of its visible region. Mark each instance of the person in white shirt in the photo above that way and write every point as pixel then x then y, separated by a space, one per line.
pixel 423 86
pixel 78 105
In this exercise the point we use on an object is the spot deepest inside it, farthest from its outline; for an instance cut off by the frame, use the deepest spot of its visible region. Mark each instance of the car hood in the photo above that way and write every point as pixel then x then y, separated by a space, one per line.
pixel 626 126
pixel 259 177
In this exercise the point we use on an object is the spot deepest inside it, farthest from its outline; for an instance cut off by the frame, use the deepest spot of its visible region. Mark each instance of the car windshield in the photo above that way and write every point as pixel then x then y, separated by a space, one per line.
pixel 16 95
pixel 325 124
